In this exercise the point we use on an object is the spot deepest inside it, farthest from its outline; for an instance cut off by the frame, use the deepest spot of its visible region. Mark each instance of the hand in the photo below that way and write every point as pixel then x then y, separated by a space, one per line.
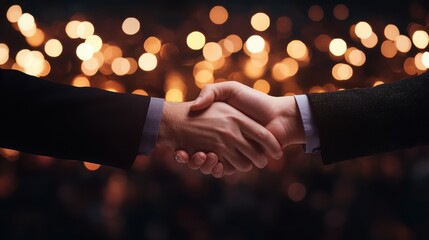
pixel 233 137
pixel 278 114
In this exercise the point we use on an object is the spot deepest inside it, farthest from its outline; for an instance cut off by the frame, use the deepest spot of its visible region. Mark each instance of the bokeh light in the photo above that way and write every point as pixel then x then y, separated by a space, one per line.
pixel 4 53
pixel 14 13
pixel 53 48
pixel 85 29
pixel 338 47
pixel 341 12
pixel 84 51
pixel 403 43
pixel 148 62
pixel 218 15
pixel 425 59
pixel 420 39
pixel 316 13
pixel 152 45
pixel 95 42
pixel 196 40
pixel 388 49
pixel 131 26
pixel 363 30
pixel 342 71
pixel 71 29
pixel 255 44
pixel 260 21
pixel 262 86
pixel 212 51
pixel 26 22
pixel 391 32
pixel 297 49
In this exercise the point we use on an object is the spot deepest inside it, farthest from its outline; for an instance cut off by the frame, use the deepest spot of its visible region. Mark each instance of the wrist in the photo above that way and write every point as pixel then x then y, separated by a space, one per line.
pixel 290 118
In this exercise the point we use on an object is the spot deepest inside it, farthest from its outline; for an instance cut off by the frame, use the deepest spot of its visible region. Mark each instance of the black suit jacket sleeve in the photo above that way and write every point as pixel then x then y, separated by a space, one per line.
pixel 361 122
pixel 88 124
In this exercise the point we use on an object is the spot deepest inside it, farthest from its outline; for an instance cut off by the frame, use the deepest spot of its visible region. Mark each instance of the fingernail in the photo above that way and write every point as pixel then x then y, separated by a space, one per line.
pixel 279 155
pixel 178 159
pixel 216 169
pixel 199 161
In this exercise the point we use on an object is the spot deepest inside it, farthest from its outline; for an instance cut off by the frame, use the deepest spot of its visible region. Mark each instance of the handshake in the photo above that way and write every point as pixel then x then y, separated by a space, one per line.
pixel 230 127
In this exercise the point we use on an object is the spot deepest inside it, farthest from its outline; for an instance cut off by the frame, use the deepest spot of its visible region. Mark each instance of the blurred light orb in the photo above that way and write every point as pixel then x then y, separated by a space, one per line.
pixel 81 81
pixel 140 92
pixel 121 66
pixel 218 15
pixel 371 41
pixel 131 26
pixel 420 39
pixel 260 21
pixel 418 61
pixel 262 86
pixel 388 49
pixel 255 44
pixel 148 62
pixel 91 166
pixel 234 43
pixel 341 12
pixel 95 41
pixel 403 43
pixel 4 53
pixel 342 71
pixel 297 49
pixel 53 48
pixel 203 77
pixel 85 29
pixel 425 59
pixel 36 39
pixel 71 29
pixel 338 47
pixel 391 32
pixel 196 40
pixel 212 51
pixel 29 33
pixel 26 22
pixel 174 95
pixel 14 13
pixel 90 67
pixel 363 30
pixel 152 45
pixel 84 51
pixel 316 13
pixel 296 191
pixel 355 57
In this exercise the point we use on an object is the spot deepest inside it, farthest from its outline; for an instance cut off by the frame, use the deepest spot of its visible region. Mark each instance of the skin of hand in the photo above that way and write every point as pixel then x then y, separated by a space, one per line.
pixel 227 134
pixel 280 115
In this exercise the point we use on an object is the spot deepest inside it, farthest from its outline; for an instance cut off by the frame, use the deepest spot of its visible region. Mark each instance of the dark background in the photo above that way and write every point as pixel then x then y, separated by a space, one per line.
pixel 379 197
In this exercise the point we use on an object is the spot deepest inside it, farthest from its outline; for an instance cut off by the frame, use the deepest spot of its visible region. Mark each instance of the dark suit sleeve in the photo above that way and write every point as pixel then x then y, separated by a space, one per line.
pixel 362 122
pixel 45 118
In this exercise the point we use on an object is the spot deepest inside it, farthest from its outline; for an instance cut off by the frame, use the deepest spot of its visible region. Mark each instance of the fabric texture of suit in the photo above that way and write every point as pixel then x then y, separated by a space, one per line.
pixel 359 122
pixel 45 118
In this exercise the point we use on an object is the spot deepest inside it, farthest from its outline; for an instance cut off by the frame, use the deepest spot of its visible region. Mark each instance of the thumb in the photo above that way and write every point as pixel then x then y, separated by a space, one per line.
pixel 204 100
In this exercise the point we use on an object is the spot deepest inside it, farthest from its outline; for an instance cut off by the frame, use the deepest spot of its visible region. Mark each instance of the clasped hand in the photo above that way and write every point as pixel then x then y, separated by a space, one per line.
pixel 230 127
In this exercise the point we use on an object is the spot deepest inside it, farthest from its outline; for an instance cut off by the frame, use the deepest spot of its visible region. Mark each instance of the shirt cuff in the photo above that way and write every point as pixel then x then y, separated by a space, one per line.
pixel 151 126
pixel 311 132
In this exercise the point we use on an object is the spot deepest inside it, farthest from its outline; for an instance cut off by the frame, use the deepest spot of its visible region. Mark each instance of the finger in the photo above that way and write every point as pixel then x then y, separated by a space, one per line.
pixel 210 163
pixel 238 160
pixel 181 156
pixel 261 135
pixel 228 169
pixel 215 92
pixel 217 171
pixel 254 153
pixel 197 160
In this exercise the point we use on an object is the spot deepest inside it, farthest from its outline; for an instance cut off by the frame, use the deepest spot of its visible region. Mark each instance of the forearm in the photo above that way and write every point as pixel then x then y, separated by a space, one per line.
pixel 41 117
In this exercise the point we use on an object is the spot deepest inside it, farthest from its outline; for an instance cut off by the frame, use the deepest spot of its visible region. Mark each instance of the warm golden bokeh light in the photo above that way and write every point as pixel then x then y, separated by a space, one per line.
pixel 152 45
pixel 148 62
pixel 14 13
pixel 53 48
pixel 71 29
pixel 81 81
pixel 95 42
pixel 337 47
pixel 371 41
pixel 322 42
pixel 84 51
pixel 255 44
pixel 174 95
pixel 91 166
pixel 262 86
pixel 120 66
pixel 234 43
pixel 26 22
pixel 363 30
pixel 203 77
pixel 212 51
pixel 391 32
pixel 403 43
pixel 31 62
pixel 388 49
pixel 316 13
pixel 409 66
pixel 111 52
pixel 260 21
pixel 425 59
pixel 418 61
pixel 90 67
pixel 140 92
pixel 341 12
pixel 420 39
pixel 253 71
pixel 218 15
pixel 196 40
pixel 342 71
pixel 85 29
pixel 288 67
pixel 36 39
pixel 4 53
pixel 355 57
pixel 133 65
pixel 377 83
pixel 297 49
pixel 131 26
